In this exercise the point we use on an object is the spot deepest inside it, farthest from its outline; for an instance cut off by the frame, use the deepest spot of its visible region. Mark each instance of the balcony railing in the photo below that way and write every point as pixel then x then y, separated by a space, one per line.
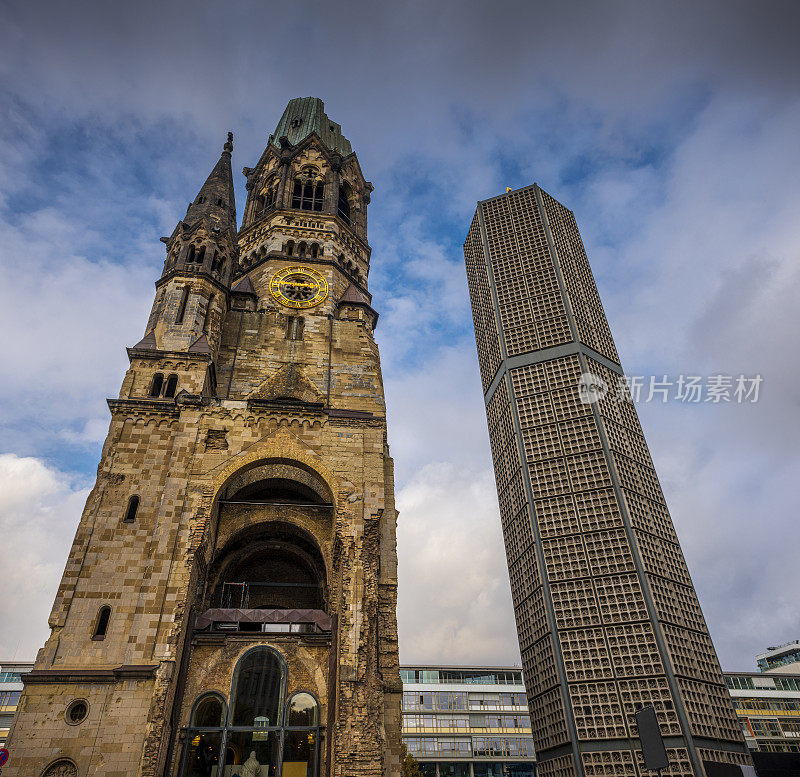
pixel 247 595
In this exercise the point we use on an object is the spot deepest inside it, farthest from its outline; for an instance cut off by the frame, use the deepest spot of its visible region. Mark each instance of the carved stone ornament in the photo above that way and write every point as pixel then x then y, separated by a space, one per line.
pixel 61 769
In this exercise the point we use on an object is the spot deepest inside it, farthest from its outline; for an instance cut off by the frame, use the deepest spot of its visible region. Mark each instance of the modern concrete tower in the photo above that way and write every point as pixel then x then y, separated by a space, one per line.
pixel 228 606
pixel 607 616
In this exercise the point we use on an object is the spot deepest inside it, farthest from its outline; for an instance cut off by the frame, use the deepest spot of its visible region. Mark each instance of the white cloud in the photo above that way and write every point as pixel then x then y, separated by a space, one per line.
pixel 39 512
pixel 455 604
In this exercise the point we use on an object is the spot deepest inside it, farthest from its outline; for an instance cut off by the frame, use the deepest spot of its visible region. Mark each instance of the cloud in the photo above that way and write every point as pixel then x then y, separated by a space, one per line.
pixel 450 550
pixel 39 513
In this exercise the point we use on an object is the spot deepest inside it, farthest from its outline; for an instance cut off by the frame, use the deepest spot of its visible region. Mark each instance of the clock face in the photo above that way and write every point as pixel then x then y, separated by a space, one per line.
pixel 298 287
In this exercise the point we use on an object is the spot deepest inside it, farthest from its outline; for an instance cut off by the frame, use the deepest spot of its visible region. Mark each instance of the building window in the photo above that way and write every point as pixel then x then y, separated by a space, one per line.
pixel 314 250
pixel 294 328
pixel 200 255
pixel 207 316
pixel 301 250
pixel 156 385
pixel 205 736
pixel 259 732
pixel 307 193
pixel 343 205
pixel 101 624
pixel 130 513
pixel 76 712
pixel 190 254
pixel 172 386
pixel 182 306
pixel 290 248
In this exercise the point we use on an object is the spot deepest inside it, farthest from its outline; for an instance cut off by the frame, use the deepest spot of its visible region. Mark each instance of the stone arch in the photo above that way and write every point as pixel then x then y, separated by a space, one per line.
pixel 269 552
pixel 281 448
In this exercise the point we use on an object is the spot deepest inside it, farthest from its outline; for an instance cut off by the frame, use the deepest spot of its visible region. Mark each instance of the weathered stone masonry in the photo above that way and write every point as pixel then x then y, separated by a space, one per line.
pixel 253 434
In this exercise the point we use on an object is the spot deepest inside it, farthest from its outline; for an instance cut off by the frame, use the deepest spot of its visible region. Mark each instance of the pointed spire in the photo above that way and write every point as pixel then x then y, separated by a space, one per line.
pixel 215 199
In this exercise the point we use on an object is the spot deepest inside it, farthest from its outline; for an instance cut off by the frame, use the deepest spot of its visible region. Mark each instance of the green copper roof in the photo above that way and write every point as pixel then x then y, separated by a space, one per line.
pixel 305 115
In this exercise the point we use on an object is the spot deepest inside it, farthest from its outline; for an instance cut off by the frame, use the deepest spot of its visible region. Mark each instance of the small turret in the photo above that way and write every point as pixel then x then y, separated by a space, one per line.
pixel 215 200
pixel 202 254
pixel 205 240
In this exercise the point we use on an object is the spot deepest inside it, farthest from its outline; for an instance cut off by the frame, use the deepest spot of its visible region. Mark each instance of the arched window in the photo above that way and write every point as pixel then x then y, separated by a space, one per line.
pixel 302 711
pixel 308 192
pixel 343 204
pixel 172 385
pixel 204 738
pixel 254 723
pixel 133 506
pixel 301 250
pixel 258 728
pixel 290 248
pixel 257 689
pixel 156 385
pixel 190 254
pixel 314 250
pixel 101 624
pixel 201 255
pixel 269 193
pixel 209 712
pixel 301 737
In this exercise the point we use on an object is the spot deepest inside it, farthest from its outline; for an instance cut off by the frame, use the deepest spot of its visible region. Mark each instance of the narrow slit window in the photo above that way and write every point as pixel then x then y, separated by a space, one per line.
pixel 201 255
pixel 182 306
pixel 156 385
pixel 133 508
pixel 207 317
pixel 190 255
pixel 343 207
pixel 172 385
pixel 101 625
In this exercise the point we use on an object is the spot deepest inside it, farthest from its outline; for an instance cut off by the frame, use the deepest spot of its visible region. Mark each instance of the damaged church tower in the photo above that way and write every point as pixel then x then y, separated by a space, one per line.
pixel 228 606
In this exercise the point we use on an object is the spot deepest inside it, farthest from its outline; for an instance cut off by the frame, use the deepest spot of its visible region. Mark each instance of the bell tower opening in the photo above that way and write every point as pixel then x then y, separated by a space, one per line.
pixel 270 566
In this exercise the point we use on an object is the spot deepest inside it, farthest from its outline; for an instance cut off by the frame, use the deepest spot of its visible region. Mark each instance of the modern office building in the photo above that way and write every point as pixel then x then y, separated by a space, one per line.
pixel 467 721
pixel 228 605
pixel 768 706
pixel 783 658
pixel 607 616
pixel 11 673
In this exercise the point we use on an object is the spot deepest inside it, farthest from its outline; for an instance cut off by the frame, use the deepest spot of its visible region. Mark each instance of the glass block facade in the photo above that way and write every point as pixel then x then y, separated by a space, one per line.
pixel 606 613
pixel 467 722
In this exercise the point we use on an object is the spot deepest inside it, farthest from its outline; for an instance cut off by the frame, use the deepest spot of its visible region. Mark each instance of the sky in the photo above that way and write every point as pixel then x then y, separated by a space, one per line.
pixel 669 128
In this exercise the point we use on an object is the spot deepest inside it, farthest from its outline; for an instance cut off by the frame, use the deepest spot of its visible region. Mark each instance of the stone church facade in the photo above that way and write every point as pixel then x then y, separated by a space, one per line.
pixel 228 605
